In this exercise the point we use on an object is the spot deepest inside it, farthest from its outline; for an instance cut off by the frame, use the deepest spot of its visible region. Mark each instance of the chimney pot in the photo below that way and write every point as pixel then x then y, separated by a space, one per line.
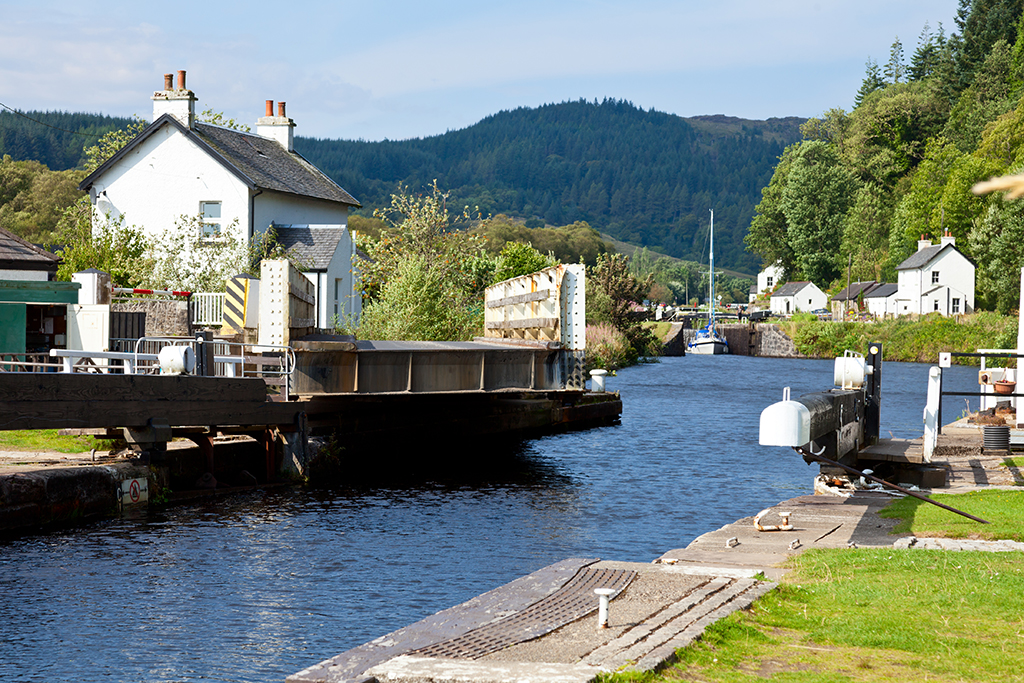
pixel 168 81
pixel 280 109
pixel 181 79
pixel 270 108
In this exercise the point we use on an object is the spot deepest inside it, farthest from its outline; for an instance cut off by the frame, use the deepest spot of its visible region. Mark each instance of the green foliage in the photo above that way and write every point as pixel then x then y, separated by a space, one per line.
pixel 608 348
pixel 111 143
pixel 768 236
pixel 37 440
pixel 110 246
pixel 32 197
pixel 417 302
pixel 575 243
pixel 218 119
pixel 819 191
pixel 624 291
pixel 55 139
pixel 426 279
pixel 909 339
pixel 518 259
pixel 998 246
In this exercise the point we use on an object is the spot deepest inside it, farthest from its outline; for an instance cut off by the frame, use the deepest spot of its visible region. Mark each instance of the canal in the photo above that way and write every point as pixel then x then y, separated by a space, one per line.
pixel 255 587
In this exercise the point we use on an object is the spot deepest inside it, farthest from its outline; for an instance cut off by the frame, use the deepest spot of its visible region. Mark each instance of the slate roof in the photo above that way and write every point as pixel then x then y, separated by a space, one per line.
pixel 259 162
pixel 883 290
pixel 315 245
pixel 922 257
pixel 17 254
pixel 790 288
pixel 855 290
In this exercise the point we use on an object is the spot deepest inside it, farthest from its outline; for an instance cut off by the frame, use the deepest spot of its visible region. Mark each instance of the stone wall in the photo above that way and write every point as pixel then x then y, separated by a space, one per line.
pixel 772 342
pixel 164 318
pixel 756 339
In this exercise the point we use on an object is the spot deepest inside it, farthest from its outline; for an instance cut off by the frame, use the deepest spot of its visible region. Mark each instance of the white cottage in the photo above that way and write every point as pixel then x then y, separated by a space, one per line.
pixel 768 278
pixel 881 300
pixel 180 167
pixel 938 278
pixel 797 296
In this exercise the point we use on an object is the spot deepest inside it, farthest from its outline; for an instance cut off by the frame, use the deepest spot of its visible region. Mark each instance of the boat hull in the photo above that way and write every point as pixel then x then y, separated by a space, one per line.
pixel 707 347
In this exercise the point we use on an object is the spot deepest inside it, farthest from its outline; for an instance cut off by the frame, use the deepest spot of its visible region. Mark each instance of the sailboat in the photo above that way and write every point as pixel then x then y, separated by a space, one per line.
pixel 707 340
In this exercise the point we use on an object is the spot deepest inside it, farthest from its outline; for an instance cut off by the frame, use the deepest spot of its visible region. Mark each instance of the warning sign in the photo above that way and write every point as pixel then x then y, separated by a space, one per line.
pixel 134 491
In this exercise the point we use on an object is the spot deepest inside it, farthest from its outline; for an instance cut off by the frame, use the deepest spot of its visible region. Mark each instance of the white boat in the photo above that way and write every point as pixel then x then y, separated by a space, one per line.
pixel 707 340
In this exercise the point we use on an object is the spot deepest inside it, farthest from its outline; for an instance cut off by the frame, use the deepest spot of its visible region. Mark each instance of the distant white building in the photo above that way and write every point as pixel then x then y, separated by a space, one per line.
pixel 881 300
pixel 180 167
pixel 768 278
pixel 938 278
pixel 794 297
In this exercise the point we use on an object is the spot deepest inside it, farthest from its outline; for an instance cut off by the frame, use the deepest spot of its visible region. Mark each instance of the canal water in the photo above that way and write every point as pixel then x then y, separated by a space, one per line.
pixel 258 586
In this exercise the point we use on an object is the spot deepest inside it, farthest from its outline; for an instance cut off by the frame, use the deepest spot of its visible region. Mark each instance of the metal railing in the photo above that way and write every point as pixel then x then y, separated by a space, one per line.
pixel 206 308
pixel 273 364
pixel 933 405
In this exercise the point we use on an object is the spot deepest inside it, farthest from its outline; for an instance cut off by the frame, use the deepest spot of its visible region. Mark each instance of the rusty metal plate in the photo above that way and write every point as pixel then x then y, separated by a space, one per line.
pixel 572 601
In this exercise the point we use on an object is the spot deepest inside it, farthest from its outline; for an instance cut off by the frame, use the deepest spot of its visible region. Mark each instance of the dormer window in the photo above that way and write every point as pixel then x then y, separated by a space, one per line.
pixel 210 213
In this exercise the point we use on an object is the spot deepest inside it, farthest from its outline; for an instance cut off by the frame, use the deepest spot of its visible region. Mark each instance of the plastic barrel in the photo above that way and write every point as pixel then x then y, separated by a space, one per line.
pixel 996 437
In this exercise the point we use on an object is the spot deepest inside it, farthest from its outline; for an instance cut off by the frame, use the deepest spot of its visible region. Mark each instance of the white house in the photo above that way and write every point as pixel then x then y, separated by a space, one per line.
pixel 180 167
pixel 797 296
pixel 880 300
pixel 768 278
pixel 938 278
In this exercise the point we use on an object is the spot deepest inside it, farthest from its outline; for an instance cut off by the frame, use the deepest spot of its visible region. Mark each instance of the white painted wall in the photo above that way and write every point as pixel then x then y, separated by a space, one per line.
pixel 165 177
pixel 285 209
pixel 880 307
pixel 809 298
pixel 768 278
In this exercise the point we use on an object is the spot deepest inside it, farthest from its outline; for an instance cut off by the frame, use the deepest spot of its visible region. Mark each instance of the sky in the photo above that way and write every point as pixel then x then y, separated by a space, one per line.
pixel 398 69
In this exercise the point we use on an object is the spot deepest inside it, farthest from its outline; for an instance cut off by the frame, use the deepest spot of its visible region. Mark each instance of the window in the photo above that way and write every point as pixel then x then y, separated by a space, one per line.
pixel 768 282
pixel 935 277
pixel 936 304
pixel 955 308
pixel 210 212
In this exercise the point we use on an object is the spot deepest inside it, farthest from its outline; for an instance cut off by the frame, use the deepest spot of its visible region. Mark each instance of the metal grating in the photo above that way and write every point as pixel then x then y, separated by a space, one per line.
pixel 572 601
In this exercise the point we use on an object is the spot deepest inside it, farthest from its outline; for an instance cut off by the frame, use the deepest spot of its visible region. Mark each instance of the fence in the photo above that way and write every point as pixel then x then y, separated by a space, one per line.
pixel 273 364
pixel 206 308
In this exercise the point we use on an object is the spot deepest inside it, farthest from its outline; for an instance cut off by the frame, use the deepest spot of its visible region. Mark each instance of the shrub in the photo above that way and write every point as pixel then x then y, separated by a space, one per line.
pixel 608 348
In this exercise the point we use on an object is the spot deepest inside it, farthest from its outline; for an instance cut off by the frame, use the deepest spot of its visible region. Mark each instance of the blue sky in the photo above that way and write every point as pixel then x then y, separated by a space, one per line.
pixel 398 69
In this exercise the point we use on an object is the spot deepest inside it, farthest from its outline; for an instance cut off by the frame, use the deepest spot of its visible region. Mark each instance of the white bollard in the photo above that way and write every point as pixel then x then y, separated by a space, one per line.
pixel 597 380
pixel 602 606
pixel 931 412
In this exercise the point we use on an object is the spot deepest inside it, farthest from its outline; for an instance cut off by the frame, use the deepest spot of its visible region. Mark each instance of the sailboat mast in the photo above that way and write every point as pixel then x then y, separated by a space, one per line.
pixel 711 260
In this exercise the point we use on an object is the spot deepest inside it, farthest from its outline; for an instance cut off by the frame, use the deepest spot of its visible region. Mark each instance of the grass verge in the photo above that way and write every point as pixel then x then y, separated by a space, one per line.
pixel 879 614
pixel 1004 510
pixel 48 440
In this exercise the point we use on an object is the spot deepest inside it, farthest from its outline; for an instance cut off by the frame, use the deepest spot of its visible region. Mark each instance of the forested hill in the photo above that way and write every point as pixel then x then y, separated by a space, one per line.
pixel 644 177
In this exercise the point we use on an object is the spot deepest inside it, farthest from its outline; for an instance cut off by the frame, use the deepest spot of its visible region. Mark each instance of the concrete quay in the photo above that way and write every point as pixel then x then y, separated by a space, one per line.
pixel 665 605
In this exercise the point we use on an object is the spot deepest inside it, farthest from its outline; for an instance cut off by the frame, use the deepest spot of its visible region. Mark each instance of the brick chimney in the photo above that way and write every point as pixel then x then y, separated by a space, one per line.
pixel 179 102
pixel 947 239
pixel 280 127
pixel 923 243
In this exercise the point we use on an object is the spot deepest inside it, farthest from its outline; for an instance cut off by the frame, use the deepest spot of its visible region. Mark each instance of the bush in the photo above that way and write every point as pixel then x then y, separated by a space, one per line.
pixel 608 348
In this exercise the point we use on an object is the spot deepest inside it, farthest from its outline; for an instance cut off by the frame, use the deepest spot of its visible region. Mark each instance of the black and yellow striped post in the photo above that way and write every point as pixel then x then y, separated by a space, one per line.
pixel 235 300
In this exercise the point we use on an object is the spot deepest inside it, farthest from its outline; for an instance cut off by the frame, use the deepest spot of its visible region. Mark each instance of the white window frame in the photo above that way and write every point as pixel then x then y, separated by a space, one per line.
pixel 955 306
pixel 935 277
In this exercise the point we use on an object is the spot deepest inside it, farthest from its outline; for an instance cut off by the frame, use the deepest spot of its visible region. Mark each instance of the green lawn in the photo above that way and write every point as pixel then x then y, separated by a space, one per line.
pixel 881 614
pixel 48 440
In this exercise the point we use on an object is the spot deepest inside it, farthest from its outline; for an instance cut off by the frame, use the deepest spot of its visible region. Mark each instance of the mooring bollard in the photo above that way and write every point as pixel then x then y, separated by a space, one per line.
pixel 602 605
pixel 597 380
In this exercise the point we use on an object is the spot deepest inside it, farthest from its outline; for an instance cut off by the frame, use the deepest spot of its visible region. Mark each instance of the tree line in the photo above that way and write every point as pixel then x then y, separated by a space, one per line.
pixel 864 186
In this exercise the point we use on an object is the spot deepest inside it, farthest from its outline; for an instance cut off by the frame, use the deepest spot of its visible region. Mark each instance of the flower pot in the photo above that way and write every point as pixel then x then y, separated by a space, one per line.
pixel 1004 387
